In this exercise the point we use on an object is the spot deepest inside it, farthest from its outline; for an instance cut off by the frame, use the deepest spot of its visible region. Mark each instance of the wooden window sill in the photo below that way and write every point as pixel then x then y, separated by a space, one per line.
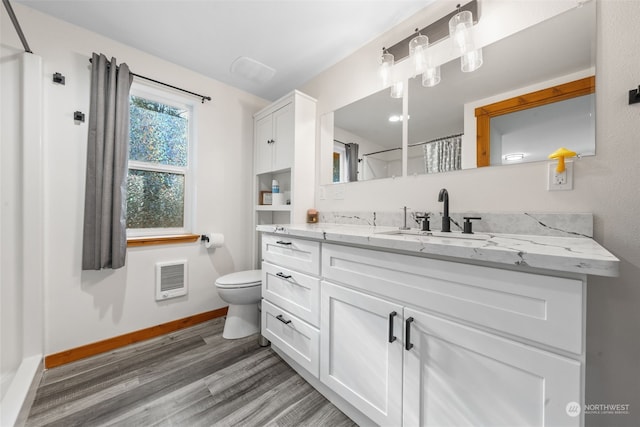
pixel 161 240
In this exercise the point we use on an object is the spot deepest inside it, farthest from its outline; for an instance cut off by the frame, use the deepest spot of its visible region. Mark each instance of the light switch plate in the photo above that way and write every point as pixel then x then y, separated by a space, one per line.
pixel 560 181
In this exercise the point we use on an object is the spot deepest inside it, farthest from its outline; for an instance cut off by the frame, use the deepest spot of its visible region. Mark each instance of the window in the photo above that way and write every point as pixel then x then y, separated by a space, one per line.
pixel 339 162
pixel 160 172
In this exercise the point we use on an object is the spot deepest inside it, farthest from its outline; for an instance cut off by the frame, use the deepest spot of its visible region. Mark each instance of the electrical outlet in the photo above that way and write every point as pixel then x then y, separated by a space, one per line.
pixel 560 181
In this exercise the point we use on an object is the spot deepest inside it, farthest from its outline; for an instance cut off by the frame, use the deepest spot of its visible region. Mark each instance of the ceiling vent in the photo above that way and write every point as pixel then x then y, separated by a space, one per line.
pixel 252 70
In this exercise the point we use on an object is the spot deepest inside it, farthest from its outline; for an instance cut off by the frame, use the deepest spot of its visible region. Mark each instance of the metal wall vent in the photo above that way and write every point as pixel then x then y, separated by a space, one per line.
pixel 171 279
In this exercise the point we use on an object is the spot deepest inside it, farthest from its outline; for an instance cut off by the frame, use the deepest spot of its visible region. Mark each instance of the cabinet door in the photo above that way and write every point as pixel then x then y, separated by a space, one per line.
pixel 263 146
pixel 283 136
pixel 455 375
pixel 357 361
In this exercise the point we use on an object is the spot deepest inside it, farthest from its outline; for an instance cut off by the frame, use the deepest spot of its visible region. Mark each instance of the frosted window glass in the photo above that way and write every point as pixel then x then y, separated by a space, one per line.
pixel 155 199
pixel 158 133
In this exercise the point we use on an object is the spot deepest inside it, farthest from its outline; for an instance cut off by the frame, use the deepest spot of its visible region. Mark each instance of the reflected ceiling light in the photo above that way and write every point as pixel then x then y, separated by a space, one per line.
pixel 397 118
pixel 460 31
pixel 512 157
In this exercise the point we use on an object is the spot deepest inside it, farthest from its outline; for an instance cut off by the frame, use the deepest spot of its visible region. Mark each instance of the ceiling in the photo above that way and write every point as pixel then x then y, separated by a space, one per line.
pixel 299 39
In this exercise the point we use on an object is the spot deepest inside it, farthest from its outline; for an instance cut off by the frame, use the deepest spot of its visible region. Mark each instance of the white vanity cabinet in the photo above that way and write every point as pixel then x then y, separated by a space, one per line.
pixel 291 298
pixel 473 345
pixel 361 353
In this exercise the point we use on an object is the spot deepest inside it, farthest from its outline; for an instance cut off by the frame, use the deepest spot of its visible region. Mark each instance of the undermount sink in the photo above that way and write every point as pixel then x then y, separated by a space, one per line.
pixel 440 234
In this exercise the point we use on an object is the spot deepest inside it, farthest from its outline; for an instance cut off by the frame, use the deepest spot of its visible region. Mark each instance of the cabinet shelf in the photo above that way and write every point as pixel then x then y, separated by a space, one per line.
pixel 271 208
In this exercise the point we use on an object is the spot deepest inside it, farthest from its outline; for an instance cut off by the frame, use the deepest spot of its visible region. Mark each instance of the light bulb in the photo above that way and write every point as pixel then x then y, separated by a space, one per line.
pixel 386 65
pixel 418 52
pixel 471 61
pixel 397 90
pixel 431 77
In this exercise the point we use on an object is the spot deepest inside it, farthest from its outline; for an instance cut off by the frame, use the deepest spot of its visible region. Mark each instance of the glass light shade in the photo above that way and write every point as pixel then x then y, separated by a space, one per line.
pixel 418 53
pixel 386 66
pixel 460 26
pixel 397 90
pixel 471 61
pixel 431 77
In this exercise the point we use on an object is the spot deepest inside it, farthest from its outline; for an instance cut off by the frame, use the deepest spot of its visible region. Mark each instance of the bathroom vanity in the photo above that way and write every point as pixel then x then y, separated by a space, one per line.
pixel 415 329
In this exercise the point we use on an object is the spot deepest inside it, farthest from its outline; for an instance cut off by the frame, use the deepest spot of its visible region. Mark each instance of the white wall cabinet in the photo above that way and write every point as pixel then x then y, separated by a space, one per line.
pixel 274 140
pixel 284 150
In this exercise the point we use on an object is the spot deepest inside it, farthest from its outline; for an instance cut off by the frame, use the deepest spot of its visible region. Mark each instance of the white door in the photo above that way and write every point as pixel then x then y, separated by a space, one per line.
pixel 263 145
pixel 455 375
pixel 361 351
pixel 283 137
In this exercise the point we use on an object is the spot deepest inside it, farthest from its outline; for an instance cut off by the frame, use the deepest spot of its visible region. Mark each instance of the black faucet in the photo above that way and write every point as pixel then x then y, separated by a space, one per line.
pixel 446 221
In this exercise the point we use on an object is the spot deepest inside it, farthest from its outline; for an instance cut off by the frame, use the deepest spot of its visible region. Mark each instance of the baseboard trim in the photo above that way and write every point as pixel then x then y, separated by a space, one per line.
pixel 68 356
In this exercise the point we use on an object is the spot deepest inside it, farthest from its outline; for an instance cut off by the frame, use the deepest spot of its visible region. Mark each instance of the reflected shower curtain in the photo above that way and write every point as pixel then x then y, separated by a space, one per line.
pixel 351 151
pixel 443 155
pixel 104 242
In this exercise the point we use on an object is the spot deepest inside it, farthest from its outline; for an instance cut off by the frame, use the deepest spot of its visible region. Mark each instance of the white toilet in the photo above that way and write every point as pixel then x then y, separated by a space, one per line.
pixel 243 291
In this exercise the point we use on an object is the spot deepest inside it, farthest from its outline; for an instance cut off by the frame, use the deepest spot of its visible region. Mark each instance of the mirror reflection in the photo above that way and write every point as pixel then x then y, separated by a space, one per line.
pixel 555 51
pixel 367 137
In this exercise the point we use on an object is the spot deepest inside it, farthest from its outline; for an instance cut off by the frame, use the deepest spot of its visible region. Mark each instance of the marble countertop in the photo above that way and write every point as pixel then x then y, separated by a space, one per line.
pixel 568 254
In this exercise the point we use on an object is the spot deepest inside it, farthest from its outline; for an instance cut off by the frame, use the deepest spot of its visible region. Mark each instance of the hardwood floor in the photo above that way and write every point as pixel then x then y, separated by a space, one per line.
pixel 191 377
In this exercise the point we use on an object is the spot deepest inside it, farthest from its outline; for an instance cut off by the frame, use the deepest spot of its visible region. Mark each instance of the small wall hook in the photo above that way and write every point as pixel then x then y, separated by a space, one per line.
pixel 634 96
pixel 78 116
pixel 58 78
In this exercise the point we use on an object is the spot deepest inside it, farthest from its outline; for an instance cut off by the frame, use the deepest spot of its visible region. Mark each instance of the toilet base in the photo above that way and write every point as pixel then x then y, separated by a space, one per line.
pixel 242 321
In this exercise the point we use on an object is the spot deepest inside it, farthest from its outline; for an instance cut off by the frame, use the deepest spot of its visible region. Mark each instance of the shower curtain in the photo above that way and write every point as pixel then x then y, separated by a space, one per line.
pixel 443 155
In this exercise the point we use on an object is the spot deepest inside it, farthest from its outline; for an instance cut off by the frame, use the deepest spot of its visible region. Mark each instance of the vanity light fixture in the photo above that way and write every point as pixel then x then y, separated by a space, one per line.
pixel 457 24
pixel 460 31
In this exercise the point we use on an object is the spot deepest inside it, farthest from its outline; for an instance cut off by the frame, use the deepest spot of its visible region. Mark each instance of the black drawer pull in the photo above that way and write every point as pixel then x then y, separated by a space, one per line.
pixel 407 334
pixel 280 318
pixel 280 242
pixel 284 276
pixel 392 337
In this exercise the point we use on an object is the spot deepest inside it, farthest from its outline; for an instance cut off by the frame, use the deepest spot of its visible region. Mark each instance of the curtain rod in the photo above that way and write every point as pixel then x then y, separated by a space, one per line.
pixel 16 25
pixel 436 140
pixel 203 97
pixel 413 145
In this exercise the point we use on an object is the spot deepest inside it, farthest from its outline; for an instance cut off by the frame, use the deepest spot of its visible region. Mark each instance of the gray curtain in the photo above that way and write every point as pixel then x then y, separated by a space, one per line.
pixel 443 155
pixel 351 151
pixel 105 229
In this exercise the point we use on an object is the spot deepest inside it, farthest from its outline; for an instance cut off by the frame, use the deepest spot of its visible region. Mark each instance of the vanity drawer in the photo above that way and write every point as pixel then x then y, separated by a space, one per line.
pixel 541 308
pixel 295 292
pixel 296 254
pixel 296 338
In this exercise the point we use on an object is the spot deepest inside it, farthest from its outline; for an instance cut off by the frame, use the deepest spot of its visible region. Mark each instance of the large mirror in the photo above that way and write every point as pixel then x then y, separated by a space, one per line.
pixel 441 133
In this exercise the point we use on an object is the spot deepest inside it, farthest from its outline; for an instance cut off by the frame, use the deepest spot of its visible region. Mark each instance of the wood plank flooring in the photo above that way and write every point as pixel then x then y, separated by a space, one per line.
pixel 191 377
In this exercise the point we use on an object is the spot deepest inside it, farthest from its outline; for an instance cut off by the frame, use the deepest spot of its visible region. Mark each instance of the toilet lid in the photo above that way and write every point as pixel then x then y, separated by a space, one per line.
pixel 240 279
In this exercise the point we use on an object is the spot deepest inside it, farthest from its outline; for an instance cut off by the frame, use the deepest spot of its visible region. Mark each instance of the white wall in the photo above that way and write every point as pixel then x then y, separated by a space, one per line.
pixel 606 185
pixel 84 307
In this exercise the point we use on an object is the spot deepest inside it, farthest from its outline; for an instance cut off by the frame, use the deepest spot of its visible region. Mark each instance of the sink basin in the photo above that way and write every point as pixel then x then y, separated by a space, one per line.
pixel 439 234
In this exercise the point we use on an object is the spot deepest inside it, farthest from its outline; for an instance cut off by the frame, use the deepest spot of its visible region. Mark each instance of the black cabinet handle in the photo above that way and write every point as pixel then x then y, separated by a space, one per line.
pixel 281 318
pixel 407 334
pixel 281 242
pixel 393 314
pixel 284 276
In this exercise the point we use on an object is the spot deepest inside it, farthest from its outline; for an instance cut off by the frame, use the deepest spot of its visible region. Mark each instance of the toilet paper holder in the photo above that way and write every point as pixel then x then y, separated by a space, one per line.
pixel 212 240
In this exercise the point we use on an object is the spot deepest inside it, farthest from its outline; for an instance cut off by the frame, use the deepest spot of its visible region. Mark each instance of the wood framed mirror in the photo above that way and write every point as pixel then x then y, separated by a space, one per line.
pixel 550 95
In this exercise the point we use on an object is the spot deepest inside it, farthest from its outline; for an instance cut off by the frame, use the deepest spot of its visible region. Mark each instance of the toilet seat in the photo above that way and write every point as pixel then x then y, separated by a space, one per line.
pixel 240 279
